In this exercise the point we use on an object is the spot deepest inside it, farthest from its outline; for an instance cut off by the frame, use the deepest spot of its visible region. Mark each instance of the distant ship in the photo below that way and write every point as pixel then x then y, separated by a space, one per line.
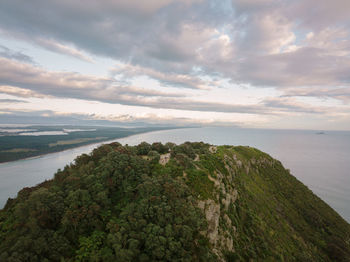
pixel 320 133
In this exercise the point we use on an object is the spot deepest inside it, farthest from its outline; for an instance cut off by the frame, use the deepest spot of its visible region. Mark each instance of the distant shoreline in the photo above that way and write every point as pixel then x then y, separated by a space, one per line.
pixel 65 149
pixel 85 144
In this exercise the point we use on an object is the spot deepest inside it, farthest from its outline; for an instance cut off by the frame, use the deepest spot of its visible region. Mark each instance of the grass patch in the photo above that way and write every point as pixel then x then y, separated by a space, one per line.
pixel 198 180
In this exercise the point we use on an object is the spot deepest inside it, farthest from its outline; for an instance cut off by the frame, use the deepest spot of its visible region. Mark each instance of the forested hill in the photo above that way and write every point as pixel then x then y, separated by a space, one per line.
pixel 191 202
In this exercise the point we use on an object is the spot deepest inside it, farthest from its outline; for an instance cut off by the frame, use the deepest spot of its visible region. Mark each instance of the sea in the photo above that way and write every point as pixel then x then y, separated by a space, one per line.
pixel 321 160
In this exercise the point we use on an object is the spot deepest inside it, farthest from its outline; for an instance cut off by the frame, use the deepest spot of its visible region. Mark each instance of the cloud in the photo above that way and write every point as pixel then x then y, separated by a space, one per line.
pixel 20 92
pixel 292 105
pixel 304 67
pixel 36 79
pixel 61 48
pixel 163 35
pixel 32 81
pixel 19 56
pixel 168 79
pixel 342 94
pixel 28 80
pixel 265 33
pixel 10 101
pixel 170 120
pixel 299 48
pixel 332 41
pixel 249 6
pixel 177 42
pixel 176 37
pixel 130 90
pixel 43 117
pixel 319 16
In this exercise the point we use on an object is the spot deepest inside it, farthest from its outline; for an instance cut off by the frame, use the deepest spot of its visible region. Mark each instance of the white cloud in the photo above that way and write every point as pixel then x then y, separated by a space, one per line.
pixel 129 71
pixel 64 49
pixel 299 48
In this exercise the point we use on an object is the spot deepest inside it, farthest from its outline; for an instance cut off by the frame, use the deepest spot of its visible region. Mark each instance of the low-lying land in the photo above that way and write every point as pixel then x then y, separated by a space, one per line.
pixel 18 143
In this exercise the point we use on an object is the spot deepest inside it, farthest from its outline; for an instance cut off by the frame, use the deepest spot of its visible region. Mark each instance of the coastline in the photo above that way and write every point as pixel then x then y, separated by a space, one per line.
pixel 82 145
pixel 325 172
pixel 42 167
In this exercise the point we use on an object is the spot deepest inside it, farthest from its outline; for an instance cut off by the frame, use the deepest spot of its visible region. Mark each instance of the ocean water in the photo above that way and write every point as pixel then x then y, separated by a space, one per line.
pixel 320 161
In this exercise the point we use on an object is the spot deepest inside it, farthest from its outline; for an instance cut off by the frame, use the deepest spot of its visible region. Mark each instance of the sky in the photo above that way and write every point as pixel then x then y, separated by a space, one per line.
pixel 249 63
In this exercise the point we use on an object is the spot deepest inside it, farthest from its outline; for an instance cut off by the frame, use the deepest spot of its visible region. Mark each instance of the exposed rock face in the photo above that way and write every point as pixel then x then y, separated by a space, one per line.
pixel 164 159
pixel 216 211
pixel 212 214
pixel 212 149
pixel 230 197
pixel 220 240
pixel 196 158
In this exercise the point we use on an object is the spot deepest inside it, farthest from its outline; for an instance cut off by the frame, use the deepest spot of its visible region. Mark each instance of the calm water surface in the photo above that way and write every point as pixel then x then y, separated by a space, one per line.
pixel 321 161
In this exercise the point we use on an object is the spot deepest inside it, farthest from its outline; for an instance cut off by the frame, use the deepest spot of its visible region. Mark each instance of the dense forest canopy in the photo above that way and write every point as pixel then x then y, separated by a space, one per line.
pixel 189 202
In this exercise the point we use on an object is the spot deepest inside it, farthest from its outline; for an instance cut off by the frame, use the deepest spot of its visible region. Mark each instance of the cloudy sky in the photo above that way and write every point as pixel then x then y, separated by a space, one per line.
pixel 252 63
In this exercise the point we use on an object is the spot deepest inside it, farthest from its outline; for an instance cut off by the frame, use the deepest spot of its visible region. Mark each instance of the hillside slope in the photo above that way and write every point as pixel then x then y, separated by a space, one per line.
pixel 197 203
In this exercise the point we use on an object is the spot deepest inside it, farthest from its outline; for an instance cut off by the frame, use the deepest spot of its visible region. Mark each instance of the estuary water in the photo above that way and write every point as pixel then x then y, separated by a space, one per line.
pixel 320 160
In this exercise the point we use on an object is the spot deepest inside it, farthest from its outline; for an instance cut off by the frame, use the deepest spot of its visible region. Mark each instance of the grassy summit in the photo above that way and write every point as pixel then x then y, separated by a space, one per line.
pixel 192 202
